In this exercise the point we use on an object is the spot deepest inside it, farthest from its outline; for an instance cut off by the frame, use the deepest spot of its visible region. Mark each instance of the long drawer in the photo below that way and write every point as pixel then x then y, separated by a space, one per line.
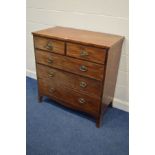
pixel 80 67
pixel 69 97
pixel 82 84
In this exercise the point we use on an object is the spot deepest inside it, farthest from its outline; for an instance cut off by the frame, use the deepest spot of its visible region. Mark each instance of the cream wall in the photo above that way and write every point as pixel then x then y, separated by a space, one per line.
pixel 110 16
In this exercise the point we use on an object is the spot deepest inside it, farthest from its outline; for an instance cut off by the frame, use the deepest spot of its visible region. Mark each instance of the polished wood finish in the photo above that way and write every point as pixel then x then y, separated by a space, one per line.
pixel 83 37
pixel 50 45
pixel 54 89
pixel 93 70
pixel 111 72
pixel 77 68
pixel 84 85
pixel 89 53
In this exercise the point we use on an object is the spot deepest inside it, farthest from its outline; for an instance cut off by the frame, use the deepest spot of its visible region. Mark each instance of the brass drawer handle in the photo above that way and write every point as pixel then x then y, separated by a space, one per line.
pixel 52 90
pixel 81 100
pixel 83 84
pixel 51 74
pixel 49 46
pixel 83 68
pixel 84 53
pixel 50 61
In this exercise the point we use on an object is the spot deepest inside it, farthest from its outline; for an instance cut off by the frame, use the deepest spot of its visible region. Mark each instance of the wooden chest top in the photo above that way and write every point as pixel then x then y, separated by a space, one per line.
pixel 80 36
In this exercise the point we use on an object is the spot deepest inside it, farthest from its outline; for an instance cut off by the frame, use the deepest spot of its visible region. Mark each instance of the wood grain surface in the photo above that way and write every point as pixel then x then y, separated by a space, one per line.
pixel 93 70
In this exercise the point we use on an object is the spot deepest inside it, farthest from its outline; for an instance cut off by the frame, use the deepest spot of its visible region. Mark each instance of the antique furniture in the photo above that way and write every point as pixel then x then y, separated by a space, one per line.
pixel 77 68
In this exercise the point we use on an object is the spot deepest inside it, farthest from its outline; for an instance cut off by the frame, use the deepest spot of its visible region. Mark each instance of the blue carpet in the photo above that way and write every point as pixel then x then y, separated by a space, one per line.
pixel 55 130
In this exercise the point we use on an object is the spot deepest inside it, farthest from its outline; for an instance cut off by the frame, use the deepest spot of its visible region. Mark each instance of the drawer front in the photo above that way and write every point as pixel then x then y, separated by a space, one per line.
pixel 49 45
pixel 80 67
pixel 81 84
pixel 69 97
pixel 93 54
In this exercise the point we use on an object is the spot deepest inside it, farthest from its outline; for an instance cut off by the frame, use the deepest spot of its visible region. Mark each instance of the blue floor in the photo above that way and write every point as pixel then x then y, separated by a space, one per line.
pixel 55 130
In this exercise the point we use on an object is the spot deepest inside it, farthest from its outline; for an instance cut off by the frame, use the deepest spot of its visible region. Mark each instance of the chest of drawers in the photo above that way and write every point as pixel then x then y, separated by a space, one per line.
pixel 77 68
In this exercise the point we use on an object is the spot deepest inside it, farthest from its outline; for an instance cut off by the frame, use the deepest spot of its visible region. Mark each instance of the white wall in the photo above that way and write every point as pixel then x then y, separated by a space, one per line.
pixel 110 16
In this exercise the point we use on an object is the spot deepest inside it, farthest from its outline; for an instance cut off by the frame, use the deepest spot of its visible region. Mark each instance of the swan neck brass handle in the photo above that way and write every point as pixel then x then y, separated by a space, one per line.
pixel 83 84
pixel 51 74
pixel 83 53
pixel 81 100
pixel 50 60
pixel 83 68
pixel 52 90
pixel 49 46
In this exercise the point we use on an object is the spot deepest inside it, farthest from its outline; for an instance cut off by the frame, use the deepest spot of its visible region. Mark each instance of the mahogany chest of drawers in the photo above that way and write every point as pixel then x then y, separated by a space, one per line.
pixel 77 68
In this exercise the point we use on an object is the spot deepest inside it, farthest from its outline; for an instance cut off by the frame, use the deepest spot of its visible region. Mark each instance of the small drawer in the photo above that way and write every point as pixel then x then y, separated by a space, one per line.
pixel 93 54
pixel 80 67
pixel 69 97
pixel 50 45
pixel 76 82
